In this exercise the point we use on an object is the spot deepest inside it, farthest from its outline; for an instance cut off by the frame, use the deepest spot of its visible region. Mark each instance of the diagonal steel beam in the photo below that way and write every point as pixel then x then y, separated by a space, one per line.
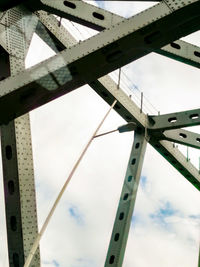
pixel 126 204
pixel 180 136
pixel 126 108
pixel 111 49
pixel 29 21
pixel 175 120
pixel 99 19
pixel 178 160
pixel 182 51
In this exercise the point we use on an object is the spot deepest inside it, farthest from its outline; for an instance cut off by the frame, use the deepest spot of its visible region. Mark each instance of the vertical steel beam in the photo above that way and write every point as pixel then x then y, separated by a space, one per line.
pixel 123 218
pixel 18 175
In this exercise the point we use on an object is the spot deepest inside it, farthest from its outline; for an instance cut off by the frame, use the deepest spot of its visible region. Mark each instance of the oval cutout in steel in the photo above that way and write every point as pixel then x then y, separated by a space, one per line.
pixel 182 135
pixel 137 145
pixel 112 259
pixel 104 94
pixel 194 116
pixel 13 223
pixel 198 140
pixel 197 54
pixel 11 187
pixel 98 16
pixel 69 4
pixel 121 216
pixel 176 46
pixel 125 196
pixel 8 152
pixel 172 119
pixel 133 161
pixel 116 238
pixel 130 178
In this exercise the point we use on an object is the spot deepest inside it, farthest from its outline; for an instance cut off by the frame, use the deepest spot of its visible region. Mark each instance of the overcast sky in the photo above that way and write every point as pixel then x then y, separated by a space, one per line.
pixel 165 230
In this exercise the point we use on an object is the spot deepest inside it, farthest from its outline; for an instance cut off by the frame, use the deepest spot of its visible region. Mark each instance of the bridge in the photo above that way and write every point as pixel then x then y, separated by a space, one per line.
pixel 119 42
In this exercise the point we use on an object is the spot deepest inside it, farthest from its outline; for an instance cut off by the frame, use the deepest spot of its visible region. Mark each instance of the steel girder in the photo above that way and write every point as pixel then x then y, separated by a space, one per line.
pixel 18 174
pixel 175 120
pixel 99 19
pixel 182 137
pixel 55 76
pixel 112 48
pixel 126 205
pixel 29 23
pixel 126 108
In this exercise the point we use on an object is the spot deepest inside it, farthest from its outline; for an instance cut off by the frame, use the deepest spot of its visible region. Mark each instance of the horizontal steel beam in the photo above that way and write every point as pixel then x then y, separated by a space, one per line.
pixel 182 137
pixel 125 107
pixel 112 48
pixel 175 120
pixel 99 19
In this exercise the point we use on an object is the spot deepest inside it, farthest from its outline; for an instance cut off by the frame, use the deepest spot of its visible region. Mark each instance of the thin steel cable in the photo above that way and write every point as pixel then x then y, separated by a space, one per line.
pixel 40 234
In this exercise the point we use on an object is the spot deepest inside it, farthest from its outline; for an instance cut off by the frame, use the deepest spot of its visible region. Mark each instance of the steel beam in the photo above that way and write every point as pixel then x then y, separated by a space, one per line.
pixel 19 187
pixel 126 108
pixel 178 160
pixel 182 137
pixel 182 51
pixel 77 11
pixel 52 29
pixel 29 23
pixel 127 202
pixel 178 50
pixel 7 4
pixel 75 67
pixel 49 38
pixel 175 120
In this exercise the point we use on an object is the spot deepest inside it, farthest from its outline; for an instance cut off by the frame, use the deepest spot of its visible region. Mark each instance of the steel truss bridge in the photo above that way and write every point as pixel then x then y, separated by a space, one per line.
pixel 119 42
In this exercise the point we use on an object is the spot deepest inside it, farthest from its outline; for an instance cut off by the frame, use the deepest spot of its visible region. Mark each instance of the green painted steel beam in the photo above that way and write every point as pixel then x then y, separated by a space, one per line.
pixel 126 108
pixel 178 50
pixel 126 205
pixel 182 137
pixel 175 120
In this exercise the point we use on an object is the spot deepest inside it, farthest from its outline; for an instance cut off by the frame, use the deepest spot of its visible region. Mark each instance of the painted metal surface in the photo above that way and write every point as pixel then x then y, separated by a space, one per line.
pixel 175 120
pixel 112 48
pixel 178 50
pixel 19 187
pixel 124 214
pixel 125 107
pixel 182 137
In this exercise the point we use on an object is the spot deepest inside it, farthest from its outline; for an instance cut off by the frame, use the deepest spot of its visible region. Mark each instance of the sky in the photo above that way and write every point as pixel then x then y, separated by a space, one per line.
pixel 165 228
